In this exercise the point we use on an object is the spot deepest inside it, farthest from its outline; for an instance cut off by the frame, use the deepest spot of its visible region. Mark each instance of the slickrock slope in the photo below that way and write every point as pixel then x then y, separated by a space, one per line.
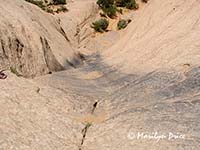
pixel 34 42
pixel 163 34
pixel 145 87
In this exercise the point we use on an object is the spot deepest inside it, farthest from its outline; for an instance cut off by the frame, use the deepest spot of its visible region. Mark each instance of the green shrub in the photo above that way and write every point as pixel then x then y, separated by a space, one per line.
pixel 145 1
pixel 14 71
pixel 46 7
pixel 57 2
pixel 122 24
pixel 38 3
pixel 61 9
pixel 105 3
pixel 110 11
pixel 103 14
pixel 49 10
pixel 100 25
pixel 108 7
pixel 130 4
pixel 120 11
pixel 120 3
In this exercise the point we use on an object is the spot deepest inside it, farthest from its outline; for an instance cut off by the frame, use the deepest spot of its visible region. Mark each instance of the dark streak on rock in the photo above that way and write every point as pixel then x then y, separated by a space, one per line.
pixel 3 49
pixel 51 62
pixel 64 34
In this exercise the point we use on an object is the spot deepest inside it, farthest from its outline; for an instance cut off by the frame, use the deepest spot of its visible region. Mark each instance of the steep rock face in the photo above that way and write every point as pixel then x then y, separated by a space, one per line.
pixel 163 34
pixel 31 40
pixel 76 23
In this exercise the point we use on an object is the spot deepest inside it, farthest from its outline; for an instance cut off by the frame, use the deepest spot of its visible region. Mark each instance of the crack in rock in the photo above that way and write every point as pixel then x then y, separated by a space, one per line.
pixel 87 126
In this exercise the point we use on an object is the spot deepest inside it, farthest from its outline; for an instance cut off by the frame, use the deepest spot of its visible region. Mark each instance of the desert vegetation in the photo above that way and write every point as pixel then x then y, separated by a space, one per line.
pixel 61 9
pixel 14 71
pixel 100 25
pixel 122 24
pixel 38 3
pixel 129 4
pixel 57 2
pixel 49 6
pixel 110 9
pixel 145 1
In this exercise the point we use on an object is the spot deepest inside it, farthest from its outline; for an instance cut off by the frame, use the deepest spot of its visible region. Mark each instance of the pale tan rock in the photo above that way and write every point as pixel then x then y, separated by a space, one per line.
pixel 35 42
pixel 161 34
pixel 118 93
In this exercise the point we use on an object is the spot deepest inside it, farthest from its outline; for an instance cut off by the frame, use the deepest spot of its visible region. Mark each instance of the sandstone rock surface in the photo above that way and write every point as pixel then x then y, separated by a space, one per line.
pixel 145 83
pixel 35 42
